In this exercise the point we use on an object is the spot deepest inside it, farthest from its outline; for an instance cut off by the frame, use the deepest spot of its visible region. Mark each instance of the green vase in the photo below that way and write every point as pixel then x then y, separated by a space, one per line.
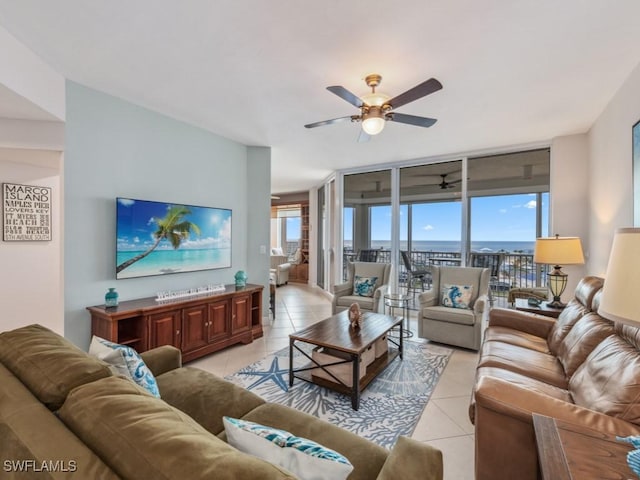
pixel 111 298
pixel 241 278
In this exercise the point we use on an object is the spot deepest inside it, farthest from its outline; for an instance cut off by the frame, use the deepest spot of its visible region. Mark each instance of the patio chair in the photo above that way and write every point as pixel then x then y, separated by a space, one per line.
pixel 492 261
pixel 415 273
pixel 368 255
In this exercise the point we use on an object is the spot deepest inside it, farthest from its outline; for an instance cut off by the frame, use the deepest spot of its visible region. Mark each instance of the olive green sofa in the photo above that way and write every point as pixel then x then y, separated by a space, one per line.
pixel 64 415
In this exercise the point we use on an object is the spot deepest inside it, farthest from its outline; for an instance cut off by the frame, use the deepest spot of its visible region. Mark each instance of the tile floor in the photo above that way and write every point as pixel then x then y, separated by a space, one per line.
pixel 444 424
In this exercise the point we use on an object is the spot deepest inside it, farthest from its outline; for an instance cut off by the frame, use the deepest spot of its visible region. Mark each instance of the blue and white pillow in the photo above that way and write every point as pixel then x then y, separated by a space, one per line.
pixel 364 286
pixel 456 296
pixel 304 458
pixel 633 457
pixel 128 363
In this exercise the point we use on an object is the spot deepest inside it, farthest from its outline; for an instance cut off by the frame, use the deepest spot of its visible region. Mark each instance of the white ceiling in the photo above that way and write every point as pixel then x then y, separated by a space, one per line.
pixel 255 71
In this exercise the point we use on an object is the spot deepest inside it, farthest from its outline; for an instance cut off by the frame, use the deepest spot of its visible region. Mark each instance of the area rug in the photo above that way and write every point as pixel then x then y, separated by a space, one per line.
pixel 390 406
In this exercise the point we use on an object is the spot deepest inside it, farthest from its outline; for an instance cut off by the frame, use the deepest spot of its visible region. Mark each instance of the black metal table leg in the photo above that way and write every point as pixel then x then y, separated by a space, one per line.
pixel 355 389
pixel 291 362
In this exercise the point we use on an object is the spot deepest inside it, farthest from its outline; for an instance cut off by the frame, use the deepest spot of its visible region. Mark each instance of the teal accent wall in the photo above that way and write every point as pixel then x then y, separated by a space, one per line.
pixel 117 149
pixel 259 218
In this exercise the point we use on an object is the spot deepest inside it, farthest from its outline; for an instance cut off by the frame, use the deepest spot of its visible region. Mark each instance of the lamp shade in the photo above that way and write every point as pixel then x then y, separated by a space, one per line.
pixel 558 251
pixel 619 301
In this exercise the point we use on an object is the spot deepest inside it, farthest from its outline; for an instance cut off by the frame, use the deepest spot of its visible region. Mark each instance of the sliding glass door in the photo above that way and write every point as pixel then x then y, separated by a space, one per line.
pixel 366 217
pixel 430 217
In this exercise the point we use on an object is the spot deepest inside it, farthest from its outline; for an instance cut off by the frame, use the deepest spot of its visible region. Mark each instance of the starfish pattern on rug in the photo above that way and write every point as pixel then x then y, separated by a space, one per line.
pixel 274 373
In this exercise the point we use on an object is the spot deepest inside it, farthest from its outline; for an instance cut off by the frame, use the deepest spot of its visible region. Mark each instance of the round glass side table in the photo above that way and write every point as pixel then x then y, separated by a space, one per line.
pixel 392 301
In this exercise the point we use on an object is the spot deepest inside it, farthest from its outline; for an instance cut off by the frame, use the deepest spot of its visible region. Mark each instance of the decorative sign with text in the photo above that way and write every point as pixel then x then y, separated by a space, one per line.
pixel 26 213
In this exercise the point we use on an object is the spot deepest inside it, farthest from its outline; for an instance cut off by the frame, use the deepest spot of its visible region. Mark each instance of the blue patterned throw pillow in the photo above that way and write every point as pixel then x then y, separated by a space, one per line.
pixel 364 286
pixel 138 370
pixel 456 296
pixel 304 458
pixel 633 457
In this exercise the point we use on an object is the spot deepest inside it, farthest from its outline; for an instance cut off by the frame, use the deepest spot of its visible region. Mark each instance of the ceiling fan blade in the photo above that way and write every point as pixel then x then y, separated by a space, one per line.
pixel 411 119
pixel 346 95
pixel 329 122
pixel 363 136
pixel 425 88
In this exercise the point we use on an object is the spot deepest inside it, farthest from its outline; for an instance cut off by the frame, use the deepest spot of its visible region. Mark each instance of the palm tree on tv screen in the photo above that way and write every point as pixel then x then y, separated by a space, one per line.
pixel 173 227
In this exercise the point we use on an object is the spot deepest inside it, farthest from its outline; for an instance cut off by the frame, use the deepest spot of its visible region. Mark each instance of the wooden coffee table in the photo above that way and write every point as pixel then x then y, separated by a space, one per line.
pixel 335 333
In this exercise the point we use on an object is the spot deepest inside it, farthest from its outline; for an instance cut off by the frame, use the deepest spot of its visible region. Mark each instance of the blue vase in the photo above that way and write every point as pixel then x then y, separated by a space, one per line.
pixel 111 298
pixel 241 278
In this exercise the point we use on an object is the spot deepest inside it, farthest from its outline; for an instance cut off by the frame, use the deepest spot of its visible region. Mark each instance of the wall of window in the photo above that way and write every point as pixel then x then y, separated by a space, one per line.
pixel 449 210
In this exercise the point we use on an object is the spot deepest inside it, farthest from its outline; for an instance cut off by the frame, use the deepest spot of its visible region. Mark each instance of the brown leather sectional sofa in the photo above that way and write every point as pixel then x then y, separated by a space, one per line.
pixel 581 368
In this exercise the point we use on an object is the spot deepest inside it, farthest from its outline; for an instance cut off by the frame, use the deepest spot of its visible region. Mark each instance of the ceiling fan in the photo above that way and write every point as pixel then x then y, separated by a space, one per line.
pixel 377 108
pixel 444 184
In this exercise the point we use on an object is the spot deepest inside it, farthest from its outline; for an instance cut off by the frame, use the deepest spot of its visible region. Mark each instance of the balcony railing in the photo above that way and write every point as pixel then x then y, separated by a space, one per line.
pixel 517 270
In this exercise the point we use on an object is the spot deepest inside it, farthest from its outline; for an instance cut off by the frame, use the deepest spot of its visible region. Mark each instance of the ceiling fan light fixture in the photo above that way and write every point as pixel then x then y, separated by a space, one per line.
pixel 375 99
pixel 373 121
pixel 373 125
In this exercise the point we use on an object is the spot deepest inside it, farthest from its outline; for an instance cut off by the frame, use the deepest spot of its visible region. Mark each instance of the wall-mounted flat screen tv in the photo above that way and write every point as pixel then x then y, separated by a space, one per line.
pixel 156 238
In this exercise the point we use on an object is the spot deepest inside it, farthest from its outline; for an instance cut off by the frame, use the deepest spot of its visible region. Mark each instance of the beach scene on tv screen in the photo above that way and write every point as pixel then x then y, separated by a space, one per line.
pixel 156 238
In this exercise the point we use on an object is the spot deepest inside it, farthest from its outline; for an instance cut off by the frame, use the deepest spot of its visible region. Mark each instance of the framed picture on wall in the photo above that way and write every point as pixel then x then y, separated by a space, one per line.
pixel 636 174
pixel 26 213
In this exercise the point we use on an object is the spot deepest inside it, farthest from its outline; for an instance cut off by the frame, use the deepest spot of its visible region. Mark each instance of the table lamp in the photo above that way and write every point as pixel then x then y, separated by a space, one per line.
pixel 619 301
pixel 558 251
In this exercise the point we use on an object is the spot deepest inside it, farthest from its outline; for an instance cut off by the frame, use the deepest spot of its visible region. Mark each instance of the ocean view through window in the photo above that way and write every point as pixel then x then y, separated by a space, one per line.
pixel 489 246
pixel 453 213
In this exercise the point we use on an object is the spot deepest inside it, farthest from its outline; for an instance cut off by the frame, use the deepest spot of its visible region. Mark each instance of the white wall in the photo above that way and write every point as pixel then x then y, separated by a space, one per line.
pixel 31 134
pixel 569 199
pixel 31 280
pixel 26 74
pixel 610 169
pixel 115 148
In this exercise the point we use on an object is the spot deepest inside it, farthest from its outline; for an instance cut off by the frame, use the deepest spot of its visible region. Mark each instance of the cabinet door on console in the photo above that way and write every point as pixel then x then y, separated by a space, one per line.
pixel 195 327
pixel 164 328
pixel 218 320
pixel 241 314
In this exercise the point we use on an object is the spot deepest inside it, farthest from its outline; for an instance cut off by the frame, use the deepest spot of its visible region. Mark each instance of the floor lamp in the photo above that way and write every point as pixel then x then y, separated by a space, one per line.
pixel 619 300
pixel 558 251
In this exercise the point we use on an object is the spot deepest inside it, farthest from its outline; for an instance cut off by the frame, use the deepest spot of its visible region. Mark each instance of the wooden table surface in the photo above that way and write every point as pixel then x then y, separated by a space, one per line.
pixel 445 260
pixel 568 451
pixel 523 305
pixel 335 332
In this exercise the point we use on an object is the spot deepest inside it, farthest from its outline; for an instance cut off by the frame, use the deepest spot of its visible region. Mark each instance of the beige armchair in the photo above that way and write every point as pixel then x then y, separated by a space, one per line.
pixel 280 267
pixel 439 321
pixel 344 295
